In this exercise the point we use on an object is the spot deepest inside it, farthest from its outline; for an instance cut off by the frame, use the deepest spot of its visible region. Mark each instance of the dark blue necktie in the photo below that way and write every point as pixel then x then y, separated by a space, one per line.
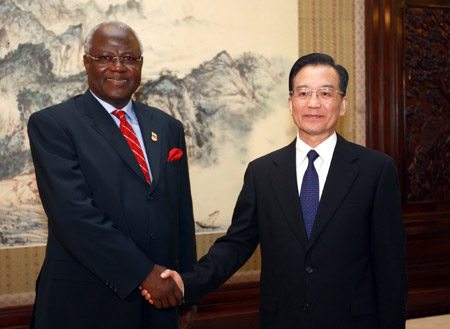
pixel 309 194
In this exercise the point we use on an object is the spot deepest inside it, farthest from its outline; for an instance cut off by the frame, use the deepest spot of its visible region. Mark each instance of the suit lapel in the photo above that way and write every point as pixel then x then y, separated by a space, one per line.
pixel 342 173
pixel 105 126
pixel 152 137
pixel 284 184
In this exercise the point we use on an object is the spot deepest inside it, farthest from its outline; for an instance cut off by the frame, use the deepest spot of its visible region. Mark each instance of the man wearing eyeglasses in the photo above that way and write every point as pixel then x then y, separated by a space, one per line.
pixel 326 213
pixel 113 179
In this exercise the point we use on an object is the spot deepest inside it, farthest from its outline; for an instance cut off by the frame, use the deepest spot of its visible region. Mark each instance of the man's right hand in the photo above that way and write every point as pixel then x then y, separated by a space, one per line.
pixel 162 292
pixel 168 275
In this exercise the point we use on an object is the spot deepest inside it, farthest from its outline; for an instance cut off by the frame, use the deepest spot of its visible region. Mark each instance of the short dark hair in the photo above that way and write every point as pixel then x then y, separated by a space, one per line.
pixel 319 59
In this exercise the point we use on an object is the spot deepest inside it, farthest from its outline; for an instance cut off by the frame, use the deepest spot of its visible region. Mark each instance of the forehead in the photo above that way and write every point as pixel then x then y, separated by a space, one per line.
pixel 316 75
pixel 114 39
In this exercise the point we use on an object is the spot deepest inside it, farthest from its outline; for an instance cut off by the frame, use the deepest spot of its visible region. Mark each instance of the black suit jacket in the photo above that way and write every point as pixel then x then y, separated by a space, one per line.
pixel 350 274
pixel 107 227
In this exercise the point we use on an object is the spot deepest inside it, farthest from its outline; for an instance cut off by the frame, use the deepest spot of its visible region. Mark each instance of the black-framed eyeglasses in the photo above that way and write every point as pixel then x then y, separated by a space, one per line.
pixel 324 93
pixel 107 60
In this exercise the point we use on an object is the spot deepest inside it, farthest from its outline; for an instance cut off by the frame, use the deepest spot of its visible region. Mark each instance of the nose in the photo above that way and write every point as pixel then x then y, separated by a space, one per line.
pixel 314 100
pixel 117 65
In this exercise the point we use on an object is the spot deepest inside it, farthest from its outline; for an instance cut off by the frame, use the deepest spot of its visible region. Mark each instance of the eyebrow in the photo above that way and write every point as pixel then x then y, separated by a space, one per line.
pixel 323 86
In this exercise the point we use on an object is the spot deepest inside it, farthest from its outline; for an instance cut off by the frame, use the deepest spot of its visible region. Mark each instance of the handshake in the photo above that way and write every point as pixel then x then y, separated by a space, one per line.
pixel 163 288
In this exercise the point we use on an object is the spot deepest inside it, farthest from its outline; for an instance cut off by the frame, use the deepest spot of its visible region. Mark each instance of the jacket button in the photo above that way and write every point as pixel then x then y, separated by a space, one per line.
pixel 309 270
pixel 153 236
pixel 305 307
pixel 151 198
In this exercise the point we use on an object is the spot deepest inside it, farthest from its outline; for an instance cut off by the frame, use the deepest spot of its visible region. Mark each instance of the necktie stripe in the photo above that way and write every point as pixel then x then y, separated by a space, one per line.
pixel 144 169
pixel 133 142
pixel 129 132
pixel 136 154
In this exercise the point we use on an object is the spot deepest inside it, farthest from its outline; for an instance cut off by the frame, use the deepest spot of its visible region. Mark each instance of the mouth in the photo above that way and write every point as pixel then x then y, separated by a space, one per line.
pixel 116 80
pixel 313 116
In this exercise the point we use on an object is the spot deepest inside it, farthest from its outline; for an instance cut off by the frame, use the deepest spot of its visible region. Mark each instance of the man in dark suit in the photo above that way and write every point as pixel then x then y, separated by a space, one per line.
pixel 113 180
pixel 340 265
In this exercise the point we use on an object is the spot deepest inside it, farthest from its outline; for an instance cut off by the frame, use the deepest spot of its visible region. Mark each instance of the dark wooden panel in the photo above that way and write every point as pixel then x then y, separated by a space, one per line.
pixel 231 306
pixel 408 117
pixel 15 317
pixel 426 105
pixel 428 261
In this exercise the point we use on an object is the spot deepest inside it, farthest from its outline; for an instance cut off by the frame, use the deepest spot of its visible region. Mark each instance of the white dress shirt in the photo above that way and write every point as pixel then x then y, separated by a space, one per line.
pixel 322 163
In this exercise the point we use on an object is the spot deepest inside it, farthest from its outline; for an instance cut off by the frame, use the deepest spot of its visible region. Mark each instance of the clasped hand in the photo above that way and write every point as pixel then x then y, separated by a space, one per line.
pixel 160 290
pixel 159 299
pixel 169 276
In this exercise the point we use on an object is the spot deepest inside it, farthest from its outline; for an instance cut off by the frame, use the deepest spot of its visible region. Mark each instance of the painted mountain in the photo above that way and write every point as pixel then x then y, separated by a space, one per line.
pixel 221 102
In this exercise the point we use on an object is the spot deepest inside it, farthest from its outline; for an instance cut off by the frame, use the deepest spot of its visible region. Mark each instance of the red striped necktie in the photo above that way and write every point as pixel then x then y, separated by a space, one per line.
pixel 132 140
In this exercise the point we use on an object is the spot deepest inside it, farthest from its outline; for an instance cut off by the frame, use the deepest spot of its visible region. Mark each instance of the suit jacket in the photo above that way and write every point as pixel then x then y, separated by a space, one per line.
pixel 106 226
pixel 350 274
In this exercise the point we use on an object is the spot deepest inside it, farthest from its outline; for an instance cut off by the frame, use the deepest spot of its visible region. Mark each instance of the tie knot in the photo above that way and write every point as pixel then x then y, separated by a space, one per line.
pixel 312 155
pixel 120 115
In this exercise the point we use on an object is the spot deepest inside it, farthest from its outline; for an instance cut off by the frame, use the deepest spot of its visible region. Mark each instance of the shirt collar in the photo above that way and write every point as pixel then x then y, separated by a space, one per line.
pixel 324 149
pixel 128 109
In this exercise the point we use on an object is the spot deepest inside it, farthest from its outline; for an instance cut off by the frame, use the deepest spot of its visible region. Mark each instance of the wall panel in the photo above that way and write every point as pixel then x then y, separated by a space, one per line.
pixel 408 117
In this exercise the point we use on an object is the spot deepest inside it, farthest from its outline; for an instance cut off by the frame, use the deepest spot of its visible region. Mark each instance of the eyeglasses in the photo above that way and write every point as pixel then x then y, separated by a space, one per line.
pixel 107 60
pixel 324 93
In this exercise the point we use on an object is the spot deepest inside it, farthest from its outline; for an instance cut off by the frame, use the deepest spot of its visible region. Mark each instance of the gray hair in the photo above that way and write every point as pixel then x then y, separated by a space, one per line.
pixel 120 25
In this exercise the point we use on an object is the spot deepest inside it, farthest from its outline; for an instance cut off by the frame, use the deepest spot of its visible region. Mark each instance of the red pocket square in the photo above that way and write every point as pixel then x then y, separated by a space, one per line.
pixel 175 154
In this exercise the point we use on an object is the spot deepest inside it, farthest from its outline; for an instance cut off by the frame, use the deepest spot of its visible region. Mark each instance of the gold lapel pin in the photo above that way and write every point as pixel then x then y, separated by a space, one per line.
pixel 154 137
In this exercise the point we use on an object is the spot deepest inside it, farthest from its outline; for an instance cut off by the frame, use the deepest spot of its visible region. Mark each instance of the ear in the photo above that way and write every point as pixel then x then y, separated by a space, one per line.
pixel 86 63
pixel 344 104
pixel 290 105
